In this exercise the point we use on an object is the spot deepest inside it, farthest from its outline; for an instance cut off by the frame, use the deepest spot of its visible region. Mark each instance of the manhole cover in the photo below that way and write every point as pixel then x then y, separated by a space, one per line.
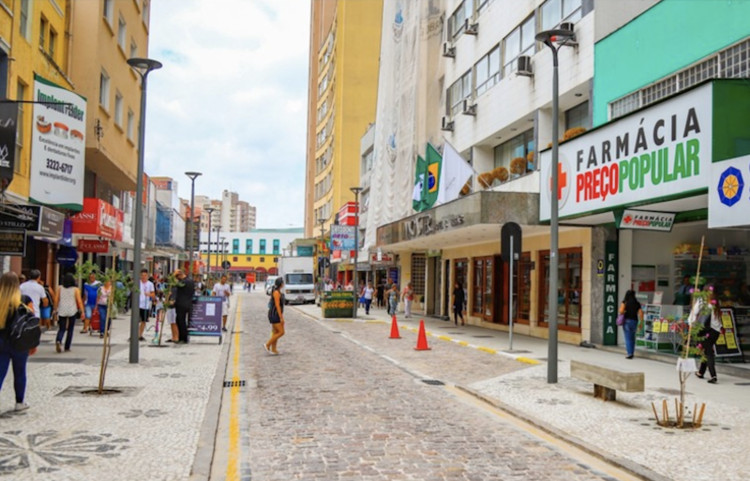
pixel 433 382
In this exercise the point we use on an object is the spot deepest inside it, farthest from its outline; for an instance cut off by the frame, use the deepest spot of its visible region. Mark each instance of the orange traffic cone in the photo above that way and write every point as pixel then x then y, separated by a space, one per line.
pixel 394 329
pixel 422 338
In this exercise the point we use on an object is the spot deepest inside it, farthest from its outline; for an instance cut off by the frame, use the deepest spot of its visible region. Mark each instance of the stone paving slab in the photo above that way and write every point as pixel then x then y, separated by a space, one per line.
pixel 151 434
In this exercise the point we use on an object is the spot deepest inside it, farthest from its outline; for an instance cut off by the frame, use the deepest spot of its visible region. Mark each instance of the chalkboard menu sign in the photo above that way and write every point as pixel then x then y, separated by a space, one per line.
pixel 728 343
pixel 205 318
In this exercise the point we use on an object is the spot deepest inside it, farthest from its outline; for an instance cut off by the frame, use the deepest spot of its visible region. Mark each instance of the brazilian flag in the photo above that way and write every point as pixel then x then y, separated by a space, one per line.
pixel 431 188
pixel 417 201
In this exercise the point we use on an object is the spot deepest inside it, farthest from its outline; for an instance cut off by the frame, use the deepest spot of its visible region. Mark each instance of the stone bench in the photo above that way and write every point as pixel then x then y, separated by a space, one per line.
pixel 607 381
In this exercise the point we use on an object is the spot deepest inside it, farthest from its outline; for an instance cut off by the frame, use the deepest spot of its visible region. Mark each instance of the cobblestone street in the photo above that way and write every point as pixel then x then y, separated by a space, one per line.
pixel 330 408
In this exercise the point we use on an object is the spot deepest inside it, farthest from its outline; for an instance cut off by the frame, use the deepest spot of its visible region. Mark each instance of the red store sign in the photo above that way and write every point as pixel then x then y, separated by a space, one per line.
pixel 99 218
pixel 92 245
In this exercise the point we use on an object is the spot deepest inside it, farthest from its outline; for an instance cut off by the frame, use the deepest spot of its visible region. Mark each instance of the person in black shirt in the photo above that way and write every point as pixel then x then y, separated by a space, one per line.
pixel 459 300
pixel 183 303
pixel 633 317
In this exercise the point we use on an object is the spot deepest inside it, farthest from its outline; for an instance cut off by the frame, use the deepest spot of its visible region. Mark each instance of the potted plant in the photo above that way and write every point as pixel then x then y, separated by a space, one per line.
pixel 500 173
pixel 485 179
pixel 573 132
pixel 518 166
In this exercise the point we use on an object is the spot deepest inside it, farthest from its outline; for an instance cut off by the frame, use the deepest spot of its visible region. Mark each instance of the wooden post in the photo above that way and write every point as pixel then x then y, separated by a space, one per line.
pixel 700 415
pixel 656 416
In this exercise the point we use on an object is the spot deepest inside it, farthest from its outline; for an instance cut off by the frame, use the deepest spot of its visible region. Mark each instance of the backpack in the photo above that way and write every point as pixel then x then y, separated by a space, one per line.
pixel 24 331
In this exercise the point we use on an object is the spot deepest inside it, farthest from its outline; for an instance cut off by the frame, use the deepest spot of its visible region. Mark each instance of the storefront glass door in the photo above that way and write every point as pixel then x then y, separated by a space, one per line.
pixel 568 289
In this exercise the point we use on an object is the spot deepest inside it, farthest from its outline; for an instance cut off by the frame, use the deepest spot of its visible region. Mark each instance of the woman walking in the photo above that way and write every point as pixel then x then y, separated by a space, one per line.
pixel 393 300
pixel 69 306
pixel 102 304
pixel 408 298
pixel 10 304
pixel 710 331
pixel 459 299
pixel 367 292
pixel 633 317
pixel 276 316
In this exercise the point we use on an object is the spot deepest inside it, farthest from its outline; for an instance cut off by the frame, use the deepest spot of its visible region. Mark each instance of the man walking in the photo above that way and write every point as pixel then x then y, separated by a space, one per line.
pixel 146 294
pixel 223 290
pixel 35 290
pixel 184 293
pixel 90 291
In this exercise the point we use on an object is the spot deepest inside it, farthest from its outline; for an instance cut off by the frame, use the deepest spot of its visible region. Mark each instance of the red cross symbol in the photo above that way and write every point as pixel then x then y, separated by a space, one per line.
pixel 562 181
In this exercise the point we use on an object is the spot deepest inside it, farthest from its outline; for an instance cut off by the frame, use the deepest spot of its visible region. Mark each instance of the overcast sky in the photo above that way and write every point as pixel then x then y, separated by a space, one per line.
pixel 230 101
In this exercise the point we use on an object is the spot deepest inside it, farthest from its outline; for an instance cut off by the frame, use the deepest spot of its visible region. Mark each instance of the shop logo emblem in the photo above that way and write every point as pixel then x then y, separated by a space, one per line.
pixel 563 182
pixel 730 186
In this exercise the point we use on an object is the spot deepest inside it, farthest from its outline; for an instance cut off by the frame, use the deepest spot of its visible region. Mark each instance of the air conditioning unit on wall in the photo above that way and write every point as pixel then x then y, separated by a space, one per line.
pixel 470 28
pixel 469 108
pixel 447 125
pixel 449 50
pixel 524 66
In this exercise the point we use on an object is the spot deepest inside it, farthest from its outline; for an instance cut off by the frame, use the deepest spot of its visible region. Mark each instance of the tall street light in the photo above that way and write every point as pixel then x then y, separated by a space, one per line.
pixel 210 211
pixel 218 231
pixel 191 230
pixel 143 66
pixel 356 191
pixel 550 38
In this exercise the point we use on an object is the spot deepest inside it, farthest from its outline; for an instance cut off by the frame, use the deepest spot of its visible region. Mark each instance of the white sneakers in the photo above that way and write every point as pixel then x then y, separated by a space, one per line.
pixel 22 406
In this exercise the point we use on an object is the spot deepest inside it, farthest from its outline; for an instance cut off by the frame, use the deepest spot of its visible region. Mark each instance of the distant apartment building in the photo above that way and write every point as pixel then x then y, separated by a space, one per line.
pixel 343 78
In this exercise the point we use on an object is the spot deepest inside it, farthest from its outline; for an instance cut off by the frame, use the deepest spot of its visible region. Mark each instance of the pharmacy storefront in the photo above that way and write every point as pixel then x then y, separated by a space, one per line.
pixel 662 180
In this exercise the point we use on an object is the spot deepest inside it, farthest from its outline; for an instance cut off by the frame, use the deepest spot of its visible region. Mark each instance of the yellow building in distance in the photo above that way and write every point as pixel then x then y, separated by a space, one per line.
pixel 342 91
pixel 33 40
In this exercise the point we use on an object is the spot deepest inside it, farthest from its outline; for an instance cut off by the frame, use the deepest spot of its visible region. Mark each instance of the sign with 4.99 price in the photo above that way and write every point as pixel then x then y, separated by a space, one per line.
pixel 57 146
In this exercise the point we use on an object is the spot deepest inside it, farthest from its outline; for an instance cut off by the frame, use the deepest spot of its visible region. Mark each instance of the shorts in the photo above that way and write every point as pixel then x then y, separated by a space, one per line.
pixel 225 309
pixel 171 316
pixel 143 314
pixel 46 312
pixel 88 311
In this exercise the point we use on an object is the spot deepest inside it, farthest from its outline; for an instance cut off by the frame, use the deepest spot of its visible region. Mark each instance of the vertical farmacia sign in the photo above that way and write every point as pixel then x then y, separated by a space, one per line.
pixel 58 146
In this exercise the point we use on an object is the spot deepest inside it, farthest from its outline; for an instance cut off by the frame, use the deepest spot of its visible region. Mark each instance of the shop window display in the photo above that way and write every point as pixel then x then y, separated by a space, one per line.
pixel 570 266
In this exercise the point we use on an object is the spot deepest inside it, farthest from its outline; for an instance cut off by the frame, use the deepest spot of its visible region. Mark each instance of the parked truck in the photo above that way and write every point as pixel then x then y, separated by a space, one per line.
pixel 299 281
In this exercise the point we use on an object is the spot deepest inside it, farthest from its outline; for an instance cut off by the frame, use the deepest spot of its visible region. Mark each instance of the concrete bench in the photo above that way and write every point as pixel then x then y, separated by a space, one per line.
pixel 607 381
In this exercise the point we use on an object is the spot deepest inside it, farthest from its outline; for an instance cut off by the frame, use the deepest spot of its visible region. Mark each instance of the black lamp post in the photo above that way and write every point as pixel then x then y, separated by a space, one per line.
pixel 550 38
pixel 356 191
pixel 143 66
pixel 191 229
pixel 210 211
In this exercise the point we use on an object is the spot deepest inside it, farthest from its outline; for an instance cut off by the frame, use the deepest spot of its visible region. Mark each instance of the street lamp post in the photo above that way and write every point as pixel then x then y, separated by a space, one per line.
pixel 356 191
pixel 191 230
pixel 218 231
pixel 143 66
pixel 549 38
pixel 210 211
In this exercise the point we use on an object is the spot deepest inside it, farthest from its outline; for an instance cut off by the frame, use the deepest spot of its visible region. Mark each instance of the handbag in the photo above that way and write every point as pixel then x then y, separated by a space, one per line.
pixel 620 319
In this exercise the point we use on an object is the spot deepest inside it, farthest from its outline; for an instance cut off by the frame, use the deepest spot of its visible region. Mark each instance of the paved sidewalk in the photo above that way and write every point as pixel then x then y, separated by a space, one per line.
pixel 150 432
pixel 623 432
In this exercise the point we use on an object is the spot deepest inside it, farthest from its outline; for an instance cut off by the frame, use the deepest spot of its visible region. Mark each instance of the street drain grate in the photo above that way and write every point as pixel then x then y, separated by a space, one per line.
pixel 234 383
pixel 433 382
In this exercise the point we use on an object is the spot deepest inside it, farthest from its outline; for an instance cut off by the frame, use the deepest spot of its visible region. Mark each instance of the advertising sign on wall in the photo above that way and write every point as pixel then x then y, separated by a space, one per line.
pixel 729 193
pixel 342 238
pixel 99 218
pixel 645 220
pixel 57 146
pixel 610 293
pixel 648 155
pixel 8 127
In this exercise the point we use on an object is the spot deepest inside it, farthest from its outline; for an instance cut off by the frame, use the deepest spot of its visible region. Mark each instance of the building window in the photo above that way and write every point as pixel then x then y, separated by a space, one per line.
pixel 517 147
pixel 262 259
pixel 20 94
pixel 418 273
pixel 578 116
pixel 23 21
pixel 555 12
pixel 133 49
pixel 460 90
pixel 248 259
pixel 522 289
pixel 482 5
pixel 487 71
pixel 52 43
pixel 235 246
pixel 519 42
pixel 145 12
pixel 109 11
pixel 570 267
pixel 104 90
pixel 458 19
pixel 121 33
pixel 367 160
pixel 248 246
pixel 42 32
pixel 262 246
pixel 276 246
pixel 482 288
pixel 131 124
pixel 275 260
pixel 118 109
